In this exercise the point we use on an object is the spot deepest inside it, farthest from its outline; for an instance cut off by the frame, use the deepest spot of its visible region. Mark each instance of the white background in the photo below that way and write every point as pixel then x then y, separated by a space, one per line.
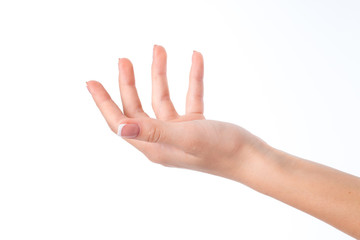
pixel 288 71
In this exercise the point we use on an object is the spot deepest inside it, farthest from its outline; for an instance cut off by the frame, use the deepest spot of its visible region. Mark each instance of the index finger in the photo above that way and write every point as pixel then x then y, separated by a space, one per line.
pixel 108 108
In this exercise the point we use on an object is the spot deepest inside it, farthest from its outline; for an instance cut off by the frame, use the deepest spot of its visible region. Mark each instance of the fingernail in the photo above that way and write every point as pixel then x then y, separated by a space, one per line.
pixel 130 130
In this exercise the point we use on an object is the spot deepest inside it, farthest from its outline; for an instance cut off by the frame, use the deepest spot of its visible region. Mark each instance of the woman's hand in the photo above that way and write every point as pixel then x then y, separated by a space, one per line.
pixel 225 149
pixel 186 141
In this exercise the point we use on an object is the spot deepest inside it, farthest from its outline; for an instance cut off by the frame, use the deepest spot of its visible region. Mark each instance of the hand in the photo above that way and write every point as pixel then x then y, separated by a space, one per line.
pixel 187 141
pixel 224 149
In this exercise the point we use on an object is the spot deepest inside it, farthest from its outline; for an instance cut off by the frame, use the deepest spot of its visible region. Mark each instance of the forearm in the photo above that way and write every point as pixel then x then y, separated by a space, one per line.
pixel 323 192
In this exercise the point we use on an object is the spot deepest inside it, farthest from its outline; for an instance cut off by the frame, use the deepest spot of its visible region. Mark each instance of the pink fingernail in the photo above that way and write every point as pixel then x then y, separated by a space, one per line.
pixel 130 130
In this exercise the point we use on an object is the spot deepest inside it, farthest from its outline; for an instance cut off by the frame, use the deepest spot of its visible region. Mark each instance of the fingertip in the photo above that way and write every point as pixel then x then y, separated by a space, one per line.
pixel 197 54
pixel 92 82
pixel 157 46
pixel 124 63
pixel 122 60
pixel 97 90
pixel 91 85
pixel 159 61
pixel 159 50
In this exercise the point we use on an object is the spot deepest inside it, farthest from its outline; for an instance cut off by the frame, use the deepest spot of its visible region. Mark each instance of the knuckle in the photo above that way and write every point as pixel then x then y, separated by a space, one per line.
pixel 154 135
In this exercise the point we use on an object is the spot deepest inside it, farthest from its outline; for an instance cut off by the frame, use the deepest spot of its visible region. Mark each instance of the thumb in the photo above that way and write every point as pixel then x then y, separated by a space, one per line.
pixel 150 130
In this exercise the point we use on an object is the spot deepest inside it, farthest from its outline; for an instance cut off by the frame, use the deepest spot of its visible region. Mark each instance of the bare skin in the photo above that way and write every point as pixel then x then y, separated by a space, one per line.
pixel 224 149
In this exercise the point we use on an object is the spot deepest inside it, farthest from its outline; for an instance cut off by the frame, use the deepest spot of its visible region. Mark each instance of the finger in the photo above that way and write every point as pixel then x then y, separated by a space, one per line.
pixel 106 105
pixel 182 135
pixel 155 152
pixel 195 94
pixel 113 115
pixel 161 103
pixel 129 96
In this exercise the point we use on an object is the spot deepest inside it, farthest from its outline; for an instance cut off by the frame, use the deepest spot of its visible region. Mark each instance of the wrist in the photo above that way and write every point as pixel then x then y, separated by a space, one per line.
pixel 260 166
